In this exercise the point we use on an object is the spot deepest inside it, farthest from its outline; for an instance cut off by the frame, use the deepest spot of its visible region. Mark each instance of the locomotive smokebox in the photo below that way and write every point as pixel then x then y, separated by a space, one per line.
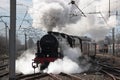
pixel 49 43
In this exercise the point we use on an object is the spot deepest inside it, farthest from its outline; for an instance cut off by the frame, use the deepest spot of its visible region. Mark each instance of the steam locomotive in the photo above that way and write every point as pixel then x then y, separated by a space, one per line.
pixel 49 47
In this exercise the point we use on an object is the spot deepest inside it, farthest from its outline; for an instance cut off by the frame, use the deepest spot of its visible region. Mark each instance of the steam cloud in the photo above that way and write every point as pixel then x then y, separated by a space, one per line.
pixel 65 65
pixel 69 64
pixel 55 15
pixel 24 63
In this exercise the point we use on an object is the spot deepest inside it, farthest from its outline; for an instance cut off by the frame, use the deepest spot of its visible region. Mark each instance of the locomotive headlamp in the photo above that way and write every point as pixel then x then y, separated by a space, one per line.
pixel 48 55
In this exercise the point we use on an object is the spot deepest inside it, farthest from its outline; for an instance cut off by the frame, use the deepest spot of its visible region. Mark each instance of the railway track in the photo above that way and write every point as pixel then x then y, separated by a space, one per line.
pixel 62 76
pixel 70 76
pixel 37 76
pixel 31 76
pixel 111 71
pixel 108 69
pixel 4 70
pixel 111 75
pixel 4 59
pixel 5 73
pixel 46 76
pixel 3 67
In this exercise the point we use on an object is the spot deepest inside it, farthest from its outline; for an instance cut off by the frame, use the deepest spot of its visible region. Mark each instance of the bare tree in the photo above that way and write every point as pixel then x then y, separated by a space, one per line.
pixel 3 46
pixel 30 43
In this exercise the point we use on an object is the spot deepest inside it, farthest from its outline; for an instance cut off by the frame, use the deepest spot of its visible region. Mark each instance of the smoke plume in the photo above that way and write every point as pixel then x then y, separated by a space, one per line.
pixel 60 15
pixel 50 14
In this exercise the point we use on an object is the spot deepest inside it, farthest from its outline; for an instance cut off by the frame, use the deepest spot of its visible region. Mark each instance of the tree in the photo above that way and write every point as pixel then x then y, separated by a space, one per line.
pixel 30 43
pixel 3 46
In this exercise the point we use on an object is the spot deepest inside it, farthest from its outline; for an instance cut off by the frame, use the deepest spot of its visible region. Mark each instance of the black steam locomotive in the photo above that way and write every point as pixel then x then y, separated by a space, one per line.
pixel 49 47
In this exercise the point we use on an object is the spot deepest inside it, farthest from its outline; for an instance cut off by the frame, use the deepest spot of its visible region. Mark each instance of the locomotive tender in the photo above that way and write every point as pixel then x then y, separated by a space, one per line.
pixel 49 47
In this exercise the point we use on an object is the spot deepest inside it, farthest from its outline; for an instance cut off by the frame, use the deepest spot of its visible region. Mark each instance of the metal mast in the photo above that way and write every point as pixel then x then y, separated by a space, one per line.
pixel 109 8
pixel 25 41
pixel 113 37
pixel 12 40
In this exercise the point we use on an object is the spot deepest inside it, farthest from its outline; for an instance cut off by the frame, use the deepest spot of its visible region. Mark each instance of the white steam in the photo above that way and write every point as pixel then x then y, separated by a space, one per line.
pixel 56 15
pixel 65 65
pixel 69 64
pixel 24 63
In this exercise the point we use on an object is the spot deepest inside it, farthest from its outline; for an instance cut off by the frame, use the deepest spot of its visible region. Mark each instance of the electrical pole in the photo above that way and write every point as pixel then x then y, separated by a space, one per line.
pixel 6 38
pixel 109 8
pixel 12 40
pixel 113 37
pixel 5 23
pixel 25 41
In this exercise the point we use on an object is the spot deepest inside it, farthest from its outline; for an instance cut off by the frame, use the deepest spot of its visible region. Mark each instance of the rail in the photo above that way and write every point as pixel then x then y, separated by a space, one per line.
pixel 44 75
pixel 111 71
pixel 54 77
pixel 4 74
pixel 73 77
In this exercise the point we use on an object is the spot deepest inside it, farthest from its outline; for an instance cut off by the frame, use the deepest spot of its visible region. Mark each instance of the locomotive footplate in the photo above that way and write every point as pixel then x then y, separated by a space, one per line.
pixel 45 59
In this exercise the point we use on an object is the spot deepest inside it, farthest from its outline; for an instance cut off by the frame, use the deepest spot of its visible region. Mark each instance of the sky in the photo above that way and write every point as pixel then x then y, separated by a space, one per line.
pixel 61 16
pixel 22 7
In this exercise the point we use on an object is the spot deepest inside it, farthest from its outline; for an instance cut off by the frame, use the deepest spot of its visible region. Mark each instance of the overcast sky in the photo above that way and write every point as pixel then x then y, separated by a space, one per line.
pixel 21 9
